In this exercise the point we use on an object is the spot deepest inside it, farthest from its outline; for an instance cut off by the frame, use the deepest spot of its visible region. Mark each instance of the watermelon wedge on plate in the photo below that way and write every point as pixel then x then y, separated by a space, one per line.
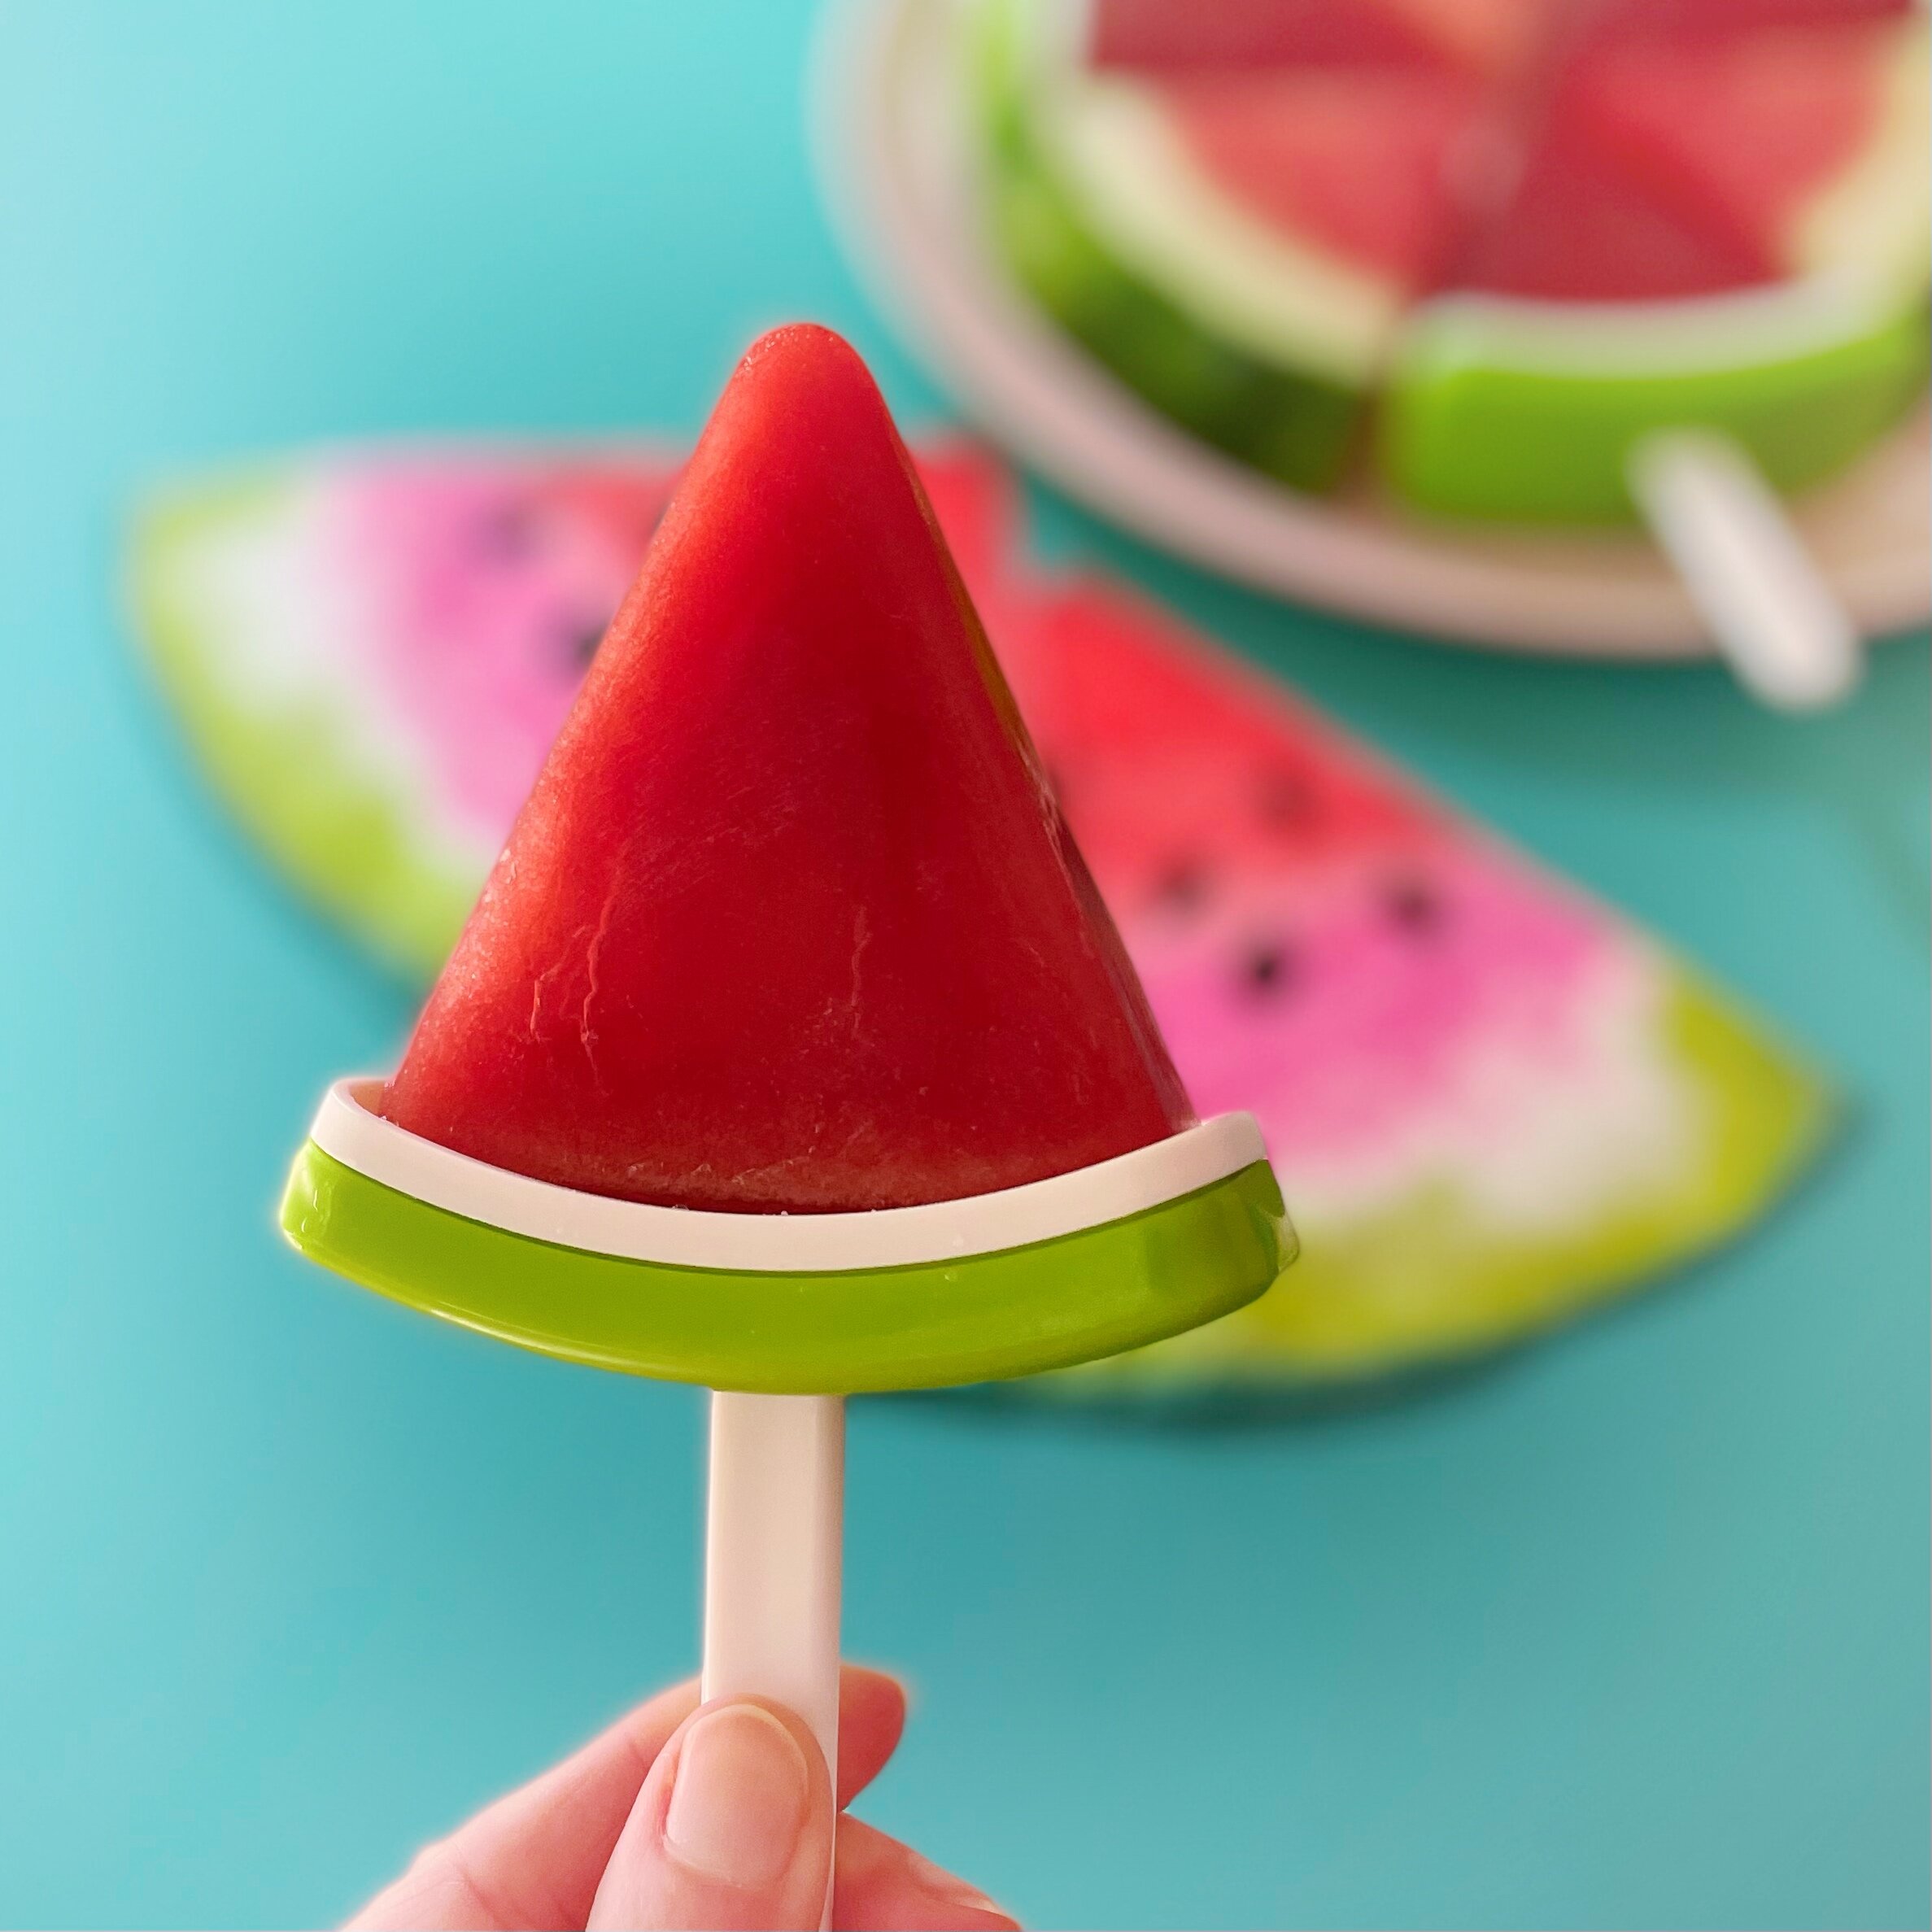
pixel 1724 230
pixel 1493 246
pixel 1238 244
pixel 1492 1101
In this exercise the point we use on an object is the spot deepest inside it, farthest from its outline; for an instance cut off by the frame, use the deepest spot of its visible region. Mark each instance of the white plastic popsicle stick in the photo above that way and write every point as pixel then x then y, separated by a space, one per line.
pixel 1771 612
pixel 773 1531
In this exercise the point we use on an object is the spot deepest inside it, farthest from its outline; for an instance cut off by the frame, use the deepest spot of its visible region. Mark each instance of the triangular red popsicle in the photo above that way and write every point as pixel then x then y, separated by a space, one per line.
pixel 790 921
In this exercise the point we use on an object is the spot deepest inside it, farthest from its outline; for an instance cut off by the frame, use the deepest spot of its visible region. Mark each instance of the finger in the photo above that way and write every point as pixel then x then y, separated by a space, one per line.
pixel 733 1828
pixel 885 1886
pixel 534 1857
pixel 871 1721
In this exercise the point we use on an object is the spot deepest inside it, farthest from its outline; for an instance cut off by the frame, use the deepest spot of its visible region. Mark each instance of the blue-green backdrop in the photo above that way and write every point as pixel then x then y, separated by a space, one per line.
pixel 1631 1632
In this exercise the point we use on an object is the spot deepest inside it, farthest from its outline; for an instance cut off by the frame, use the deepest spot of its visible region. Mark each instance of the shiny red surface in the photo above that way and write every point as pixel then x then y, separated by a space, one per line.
pixel 790 921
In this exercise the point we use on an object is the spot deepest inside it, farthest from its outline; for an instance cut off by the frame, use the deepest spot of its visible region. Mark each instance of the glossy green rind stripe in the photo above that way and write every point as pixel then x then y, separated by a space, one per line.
pixel 1466 430
pixel 980 1319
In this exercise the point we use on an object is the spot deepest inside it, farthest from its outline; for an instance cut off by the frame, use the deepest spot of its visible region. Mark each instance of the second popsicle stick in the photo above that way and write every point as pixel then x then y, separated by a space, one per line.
pixel 1770 610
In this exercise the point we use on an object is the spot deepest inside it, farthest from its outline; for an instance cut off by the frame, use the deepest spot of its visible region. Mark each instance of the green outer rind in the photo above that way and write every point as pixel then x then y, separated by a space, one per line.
pixel 1425 1281
pixel 1293 425
pixel 1465 432
pixel 288 774
pixel 982 1317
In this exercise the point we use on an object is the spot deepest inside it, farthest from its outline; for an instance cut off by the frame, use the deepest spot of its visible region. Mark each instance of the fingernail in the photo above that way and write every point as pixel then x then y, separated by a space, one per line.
pixel 738 1797
pixel 954 1890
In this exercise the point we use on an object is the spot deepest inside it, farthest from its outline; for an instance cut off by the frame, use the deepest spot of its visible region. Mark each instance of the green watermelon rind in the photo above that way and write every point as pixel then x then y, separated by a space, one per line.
pixel 1287 413
pixel 1529 410
pixel 1012 1311
pixel 340 831
pixel 1766 1115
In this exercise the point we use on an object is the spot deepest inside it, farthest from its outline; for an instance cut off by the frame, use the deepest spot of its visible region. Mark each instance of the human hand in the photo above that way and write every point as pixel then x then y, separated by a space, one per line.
pixel 687 1816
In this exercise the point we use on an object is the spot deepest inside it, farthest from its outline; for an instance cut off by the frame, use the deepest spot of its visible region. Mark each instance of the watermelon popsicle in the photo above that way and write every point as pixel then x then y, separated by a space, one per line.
pixel 1496 257
pixel 789 1050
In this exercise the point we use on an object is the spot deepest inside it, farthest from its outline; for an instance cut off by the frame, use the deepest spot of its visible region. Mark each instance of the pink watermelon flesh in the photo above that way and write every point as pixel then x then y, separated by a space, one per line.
pixel 790 921
pixel 1305 923
pixel 1476 36
pixel 1737 133
pixel 524 565
pixel 1578 226
pixel 1721 17
pixel 1363 165
pixel 1604 150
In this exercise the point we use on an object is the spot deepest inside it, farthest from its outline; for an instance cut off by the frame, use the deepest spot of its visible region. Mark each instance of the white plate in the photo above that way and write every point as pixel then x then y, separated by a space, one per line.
pixel 902 174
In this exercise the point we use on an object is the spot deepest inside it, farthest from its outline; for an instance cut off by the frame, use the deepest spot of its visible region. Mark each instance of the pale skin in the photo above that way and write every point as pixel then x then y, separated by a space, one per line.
pixel 690 1815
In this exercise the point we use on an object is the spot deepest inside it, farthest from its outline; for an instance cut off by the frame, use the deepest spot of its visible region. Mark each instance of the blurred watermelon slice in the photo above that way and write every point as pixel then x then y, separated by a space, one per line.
pixel 1691 165
pixel 1310 233
pixel 1492 1101
pixel 1469 36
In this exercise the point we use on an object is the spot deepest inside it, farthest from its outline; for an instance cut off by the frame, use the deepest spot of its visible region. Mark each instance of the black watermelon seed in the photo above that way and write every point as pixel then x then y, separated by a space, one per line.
pixel 508 533
pixel 1269 970
pixel 583 644
pixel 1413 905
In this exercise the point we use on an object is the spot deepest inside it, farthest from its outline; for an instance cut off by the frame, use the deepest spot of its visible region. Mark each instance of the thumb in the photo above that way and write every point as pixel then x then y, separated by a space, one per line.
pixel 733 1828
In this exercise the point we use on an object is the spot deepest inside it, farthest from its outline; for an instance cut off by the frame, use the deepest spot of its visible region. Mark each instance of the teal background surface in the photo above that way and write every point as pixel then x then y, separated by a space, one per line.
pixel 1632 1631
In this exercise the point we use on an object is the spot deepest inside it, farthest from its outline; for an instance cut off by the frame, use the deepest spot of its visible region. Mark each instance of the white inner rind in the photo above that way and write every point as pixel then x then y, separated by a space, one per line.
pixel 348 1129
pixel 1166 218
pixel 1712 334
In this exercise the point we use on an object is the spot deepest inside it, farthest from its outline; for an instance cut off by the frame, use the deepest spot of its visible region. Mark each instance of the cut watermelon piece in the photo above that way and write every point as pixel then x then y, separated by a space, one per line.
pixel 1363 168
pixel 1470 36
pixel 1487 1096
pixel 1762 138
pixel 1722 18
pixel 1582 226
pixel 1209 238
pixel 1248 213
pixel 789 923
pixel 1655 182
pixel 1674 166
pixel 1466 1069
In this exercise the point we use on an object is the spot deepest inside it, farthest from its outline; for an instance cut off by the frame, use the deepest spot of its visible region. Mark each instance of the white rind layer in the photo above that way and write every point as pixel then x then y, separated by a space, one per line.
pixel 1713 335
pixel 348 1129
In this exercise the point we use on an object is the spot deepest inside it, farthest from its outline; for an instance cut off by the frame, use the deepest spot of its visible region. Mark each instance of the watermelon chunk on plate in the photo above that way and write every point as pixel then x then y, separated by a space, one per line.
pixel 1238 248
pixel 1723 17
pixel 1468 36
pixel 1776 140
pixel 1581 225
pixel 1492 1101
pixel 1253 217
pixel 1362 167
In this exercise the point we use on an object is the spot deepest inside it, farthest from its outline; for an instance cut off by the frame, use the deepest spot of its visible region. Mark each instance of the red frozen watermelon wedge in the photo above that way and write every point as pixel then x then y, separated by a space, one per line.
pixel 790 922
pixel 1493 1102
